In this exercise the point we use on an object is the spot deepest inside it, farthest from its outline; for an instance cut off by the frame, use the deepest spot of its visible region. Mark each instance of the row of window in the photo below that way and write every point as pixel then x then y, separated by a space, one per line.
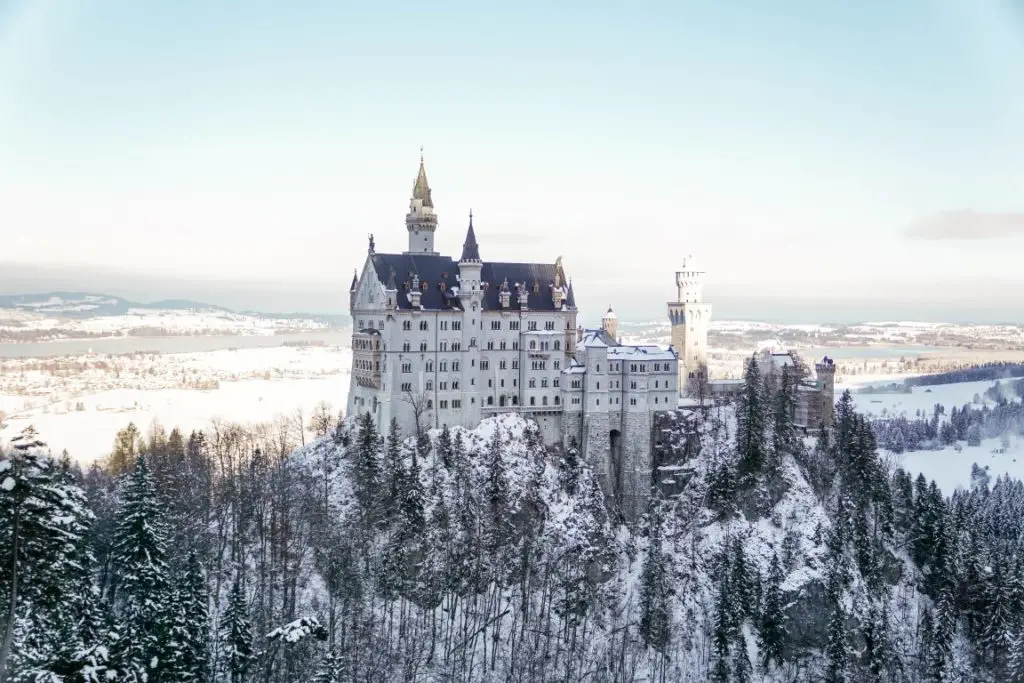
pixel 362 344
pixel 444 325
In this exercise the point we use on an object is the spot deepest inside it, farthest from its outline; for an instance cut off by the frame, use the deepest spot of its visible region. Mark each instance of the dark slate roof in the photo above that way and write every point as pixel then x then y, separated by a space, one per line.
pixel 570 298
pixel 433 270
pixel 539 279
pixel 355 281
pixel 536 276
pixel 470 250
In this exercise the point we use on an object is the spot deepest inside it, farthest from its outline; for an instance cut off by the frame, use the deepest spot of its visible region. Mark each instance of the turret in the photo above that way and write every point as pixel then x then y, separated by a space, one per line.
pixel 391 291
pixel 470 266
pixel 690 318
pixel 610 323
pixel 352 291
pixel 421 221
pixel 825 371
pixel 415 292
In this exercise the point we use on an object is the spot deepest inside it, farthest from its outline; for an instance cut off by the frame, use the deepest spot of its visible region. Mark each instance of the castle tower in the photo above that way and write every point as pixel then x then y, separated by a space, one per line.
pixel 690 318
pixel 825 370
pixel 610 323
pixel 421 221
pixel 471 295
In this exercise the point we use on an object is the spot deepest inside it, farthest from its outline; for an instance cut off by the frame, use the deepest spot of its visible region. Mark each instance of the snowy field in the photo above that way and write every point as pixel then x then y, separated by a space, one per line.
pixel 950 469
pixel 82 413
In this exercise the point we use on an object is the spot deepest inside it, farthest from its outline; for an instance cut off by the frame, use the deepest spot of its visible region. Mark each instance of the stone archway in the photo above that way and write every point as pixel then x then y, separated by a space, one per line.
pixel 615 463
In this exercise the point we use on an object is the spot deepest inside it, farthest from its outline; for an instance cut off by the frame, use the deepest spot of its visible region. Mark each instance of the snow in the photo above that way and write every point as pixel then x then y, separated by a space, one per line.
pixel 949 468
pixel 8 484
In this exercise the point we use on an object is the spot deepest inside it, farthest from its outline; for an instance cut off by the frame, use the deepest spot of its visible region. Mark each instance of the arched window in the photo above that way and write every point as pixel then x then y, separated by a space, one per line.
pixel 544 400
pixel 557 400
pixel 490 400
pixel 533 344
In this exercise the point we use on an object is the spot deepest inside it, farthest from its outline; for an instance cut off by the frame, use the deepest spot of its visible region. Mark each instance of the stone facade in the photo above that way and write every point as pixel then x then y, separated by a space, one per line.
pixel 442 342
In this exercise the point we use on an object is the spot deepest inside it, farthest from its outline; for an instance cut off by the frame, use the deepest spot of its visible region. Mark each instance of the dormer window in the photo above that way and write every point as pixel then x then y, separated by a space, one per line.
pixel 423 285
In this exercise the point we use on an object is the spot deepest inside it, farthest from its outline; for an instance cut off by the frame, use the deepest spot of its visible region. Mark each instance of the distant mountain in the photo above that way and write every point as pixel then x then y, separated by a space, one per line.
pixel 86 305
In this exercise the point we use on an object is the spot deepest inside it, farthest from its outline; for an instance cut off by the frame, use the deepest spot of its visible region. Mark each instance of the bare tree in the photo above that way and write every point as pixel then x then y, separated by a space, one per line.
pixel 420 407
pixel 322 419
pixel 697 384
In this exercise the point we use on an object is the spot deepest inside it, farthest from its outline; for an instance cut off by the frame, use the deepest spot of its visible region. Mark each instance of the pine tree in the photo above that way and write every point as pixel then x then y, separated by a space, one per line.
pixel 784 439
pixel 394 468
pixel 655 590
pixel 496 491
pixel 329 671
pixel 751 418
pixel 722 633
pixel 190 632
pixel 236 635
pixel 367 469
pixel 771 635
pixel 837 648
pixel 143 596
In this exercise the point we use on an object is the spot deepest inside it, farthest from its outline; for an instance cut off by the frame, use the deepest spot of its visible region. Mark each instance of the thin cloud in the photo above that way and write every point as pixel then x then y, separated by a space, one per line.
pixel 967 225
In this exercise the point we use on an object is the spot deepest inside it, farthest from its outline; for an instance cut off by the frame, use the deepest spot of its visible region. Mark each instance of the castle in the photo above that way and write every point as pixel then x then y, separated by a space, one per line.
pixel 441 342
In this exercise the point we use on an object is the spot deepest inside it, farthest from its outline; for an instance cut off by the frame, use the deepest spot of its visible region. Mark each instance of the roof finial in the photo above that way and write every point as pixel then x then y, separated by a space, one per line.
pixel 421 154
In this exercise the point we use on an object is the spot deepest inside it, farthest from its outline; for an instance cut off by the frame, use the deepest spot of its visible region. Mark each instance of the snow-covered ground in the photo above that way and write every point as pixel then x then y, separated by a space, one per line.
pixel 949 468
pixel 168 321
pixel 81 411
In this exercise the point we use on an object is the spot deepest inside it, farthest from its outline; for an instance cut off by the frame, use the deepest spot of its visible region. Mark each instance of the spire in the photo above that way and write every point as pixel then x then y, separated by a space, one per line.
pixel 421 190
pixel 355 281
pixel 391 281
pixel 470 250
pixel 570 298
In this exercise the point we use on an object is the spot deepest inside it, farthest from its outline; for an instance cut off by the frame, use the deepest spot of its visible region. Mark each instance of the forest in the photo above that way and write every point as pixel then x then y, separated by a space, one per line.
pixel 240 554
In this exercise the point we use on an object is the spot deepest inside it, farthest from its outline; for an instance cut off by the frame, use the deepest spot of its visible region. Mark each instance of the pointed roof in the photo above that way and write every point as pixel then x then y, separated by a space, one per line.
pixel 421 189
pixel 355 281
pixel 391 281
pixel 570 298
pixel 470 250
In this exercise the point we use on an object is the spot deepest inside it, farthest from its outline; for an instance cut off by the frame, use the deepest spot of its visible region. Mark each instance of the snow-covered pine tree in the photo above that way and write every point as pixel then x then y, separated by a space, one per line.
pixel 751 419
pixel 394 470
pixel 367 469
pixel 771 633
pixel 190 653
pixel 143 604
pixel 784 439
pixel 655 588
pixel 236 637
pixel 43 524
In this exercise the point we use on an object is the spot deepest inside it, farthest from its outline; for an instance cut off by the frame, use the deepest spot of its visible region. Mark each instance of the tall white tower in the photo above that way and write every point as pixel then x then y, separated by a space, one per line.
pixel 690 318
pixel 421 221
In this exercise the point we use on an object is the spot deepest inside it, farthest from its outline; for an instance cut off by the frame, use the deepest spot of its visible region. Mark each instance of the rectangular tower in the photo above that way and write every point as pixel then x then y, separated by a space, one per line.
pixel 690 318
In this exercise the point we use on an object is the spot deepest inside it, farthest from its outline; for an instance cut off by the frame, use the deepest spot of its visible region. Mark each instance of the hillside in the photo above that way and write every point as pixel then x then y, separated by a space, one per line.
pixel 79 315
pixel 478 555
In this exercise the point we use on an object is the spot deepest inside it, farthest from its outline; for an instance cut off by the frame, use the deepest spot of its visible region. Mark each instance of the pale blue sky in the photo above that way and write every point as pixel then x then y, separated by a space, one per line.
pixel 798 148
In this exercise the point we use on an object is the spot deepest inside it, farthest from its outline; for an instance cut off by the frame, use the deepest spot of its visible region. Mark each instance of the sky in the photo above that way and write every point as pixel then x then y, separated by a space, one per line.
pixel 807 153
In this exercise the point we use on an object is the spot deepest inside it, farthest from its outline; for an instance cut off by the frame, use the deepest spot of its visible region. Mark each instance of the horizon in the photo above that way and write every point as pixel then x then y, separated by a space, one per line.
pixel 263 143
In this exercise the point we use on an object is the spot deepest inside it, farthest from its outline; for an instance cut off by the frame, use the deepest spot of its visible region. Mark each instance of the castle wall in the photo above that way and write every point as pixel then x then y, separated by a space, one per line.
pixel 636 456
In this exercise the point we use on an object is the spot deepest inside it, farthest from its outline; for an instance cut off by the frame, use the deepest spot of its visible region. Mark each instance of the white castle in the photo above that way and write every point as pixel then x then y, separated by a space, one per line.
pixel 442 342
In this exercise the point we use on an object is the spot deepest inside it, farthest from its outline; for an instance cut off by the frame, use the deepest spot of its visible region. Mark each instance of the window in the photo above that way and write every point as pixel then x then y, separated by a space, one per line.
pixel 443 404
pixel 502 384
pixel 599 367
pixel 430 404
pixel 533 383
pixel 632 385
pixel 485 364
pixel 657 367
pixel 430 366
pixel 632 367
pixel 632 401
pixel 558 345
pixel 490 383
pixel 455 366
pixel 472 342
pixel 655 384
pixel 406 386
pixel 443 386
pixel 533 400
pixel 430 385
pixel 533 344
pixel 558 365
pixel 423 346
pixel 490 400
pixel 406 346
pixel 576 384
pixel 655 399
pixel 515 382
pixel 456 346
pixel 495 324
pixel 444 324
pixel 643 367
pixel 515 346
pixel 490 346
pixel 443 366
pixel 597 401
pixel 598 385
pixel 406 325
pixel 423 324
pixel 444 346
pixel 515 364
pixel 532 326
pixel 455 385
pixel 544 400
pixel 456 324
pixel 544 382
pixel 406 367
pixel 513 324
pixel 502 364
pixel 502 346
pixel 554 382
